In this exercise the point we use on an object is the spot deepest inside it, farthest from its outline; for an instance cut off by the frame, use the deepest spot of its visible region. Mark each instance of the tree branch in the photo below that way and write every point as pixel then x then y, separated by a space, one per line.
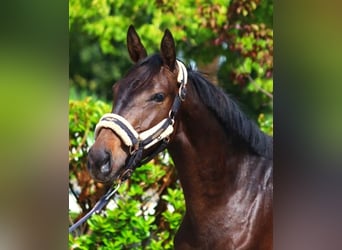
pixel 258 87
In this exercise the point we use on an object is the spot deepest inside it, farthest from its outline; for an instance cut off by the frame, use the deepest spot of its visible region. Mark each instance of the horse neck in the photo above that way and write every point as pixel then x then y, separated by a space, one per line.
pixel 209 161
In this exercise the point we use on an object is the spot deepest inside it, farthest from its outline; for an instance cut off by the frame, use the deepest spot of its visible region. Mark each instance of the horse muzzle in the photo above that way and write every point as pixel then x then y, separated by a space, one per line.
pixel 106 157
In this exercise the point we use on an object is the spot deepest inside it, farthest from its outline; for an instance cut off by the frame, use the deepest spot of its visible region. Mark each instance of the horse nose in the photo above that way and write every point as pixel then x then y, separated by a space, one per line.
pixel 100 160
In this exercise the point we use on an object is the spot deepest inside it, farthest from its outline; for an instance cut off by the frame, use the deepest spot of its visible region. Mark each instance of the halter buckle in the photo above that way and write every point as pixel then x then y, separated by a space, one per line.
pixel 133 148
pixel 167 139
pixel 126 174
pixel 172 116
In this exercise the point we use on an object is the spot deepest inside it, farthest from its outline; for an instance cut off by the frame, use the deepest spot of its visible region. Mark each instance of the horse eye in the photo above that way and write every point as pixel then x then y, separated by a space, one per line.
pixel 159 97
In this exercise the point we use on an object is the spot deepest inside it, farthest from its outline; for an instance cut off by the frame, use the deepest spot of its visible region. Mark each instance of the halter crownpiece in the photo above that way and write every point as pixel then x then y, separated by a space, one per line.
pixel 182 73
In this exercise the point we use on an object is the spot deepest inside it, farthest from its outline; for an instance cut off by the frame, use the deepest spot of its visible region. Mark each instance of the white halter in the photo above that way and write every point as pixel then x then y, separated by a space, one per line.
pixel 151 136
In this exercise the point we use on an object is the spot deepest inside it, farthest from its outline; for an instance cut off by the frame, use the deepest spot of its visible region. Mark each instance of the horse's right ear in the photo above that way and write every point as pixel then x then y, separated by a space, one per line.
pixel 135 48
pixel 168 51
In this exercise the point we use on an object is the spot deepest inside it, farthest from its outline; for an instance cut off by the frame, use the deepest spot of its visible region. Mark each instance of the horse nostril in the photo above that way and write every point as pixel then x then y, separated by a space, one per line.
pixel 105 168
pixel 99 159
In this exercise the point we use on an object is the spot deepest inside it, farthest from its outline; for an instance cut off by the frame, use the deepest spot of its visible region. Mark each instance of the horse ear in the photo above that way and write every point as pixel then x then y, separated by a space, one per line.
pixel 168 51
pixel 135 48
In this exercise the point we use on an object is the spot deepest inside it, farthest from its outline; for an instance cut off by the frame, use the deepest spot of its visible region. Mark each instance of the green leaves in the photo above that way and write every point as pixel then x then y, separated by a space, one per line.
pixel 239 33
pixel 130 225
pixel 83 116
pixel 266 123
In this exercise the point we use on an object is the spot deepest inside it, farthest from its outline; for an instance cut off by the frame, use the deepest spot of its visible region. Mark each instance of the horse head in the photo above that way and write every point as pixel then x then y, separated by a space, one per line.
pixel 143 109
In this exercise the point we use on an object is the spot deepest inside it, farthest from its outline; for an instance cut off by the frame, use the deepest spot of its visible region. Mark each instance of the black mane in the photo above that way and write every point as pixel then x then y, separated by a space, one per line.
pixel 224 108
pixel 230 115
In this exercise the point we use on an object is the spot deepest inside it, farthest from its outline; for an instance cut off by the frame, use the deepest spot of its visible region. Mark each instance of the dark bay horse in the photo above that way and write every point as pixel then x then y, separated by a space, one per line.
pixel 223 160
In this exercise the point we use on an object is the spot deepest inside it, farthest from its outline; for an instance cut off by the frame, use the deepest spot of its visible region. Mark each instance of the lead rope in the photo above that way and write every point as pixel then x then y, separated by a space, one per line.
pixel 98 206
pixel 131 165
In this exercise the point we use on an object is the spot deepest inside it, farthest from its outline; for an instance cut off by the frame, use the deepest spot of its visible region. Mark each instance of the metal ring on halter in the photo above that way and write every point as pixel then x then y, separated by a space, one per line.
pixel 172 117
pixel 171 114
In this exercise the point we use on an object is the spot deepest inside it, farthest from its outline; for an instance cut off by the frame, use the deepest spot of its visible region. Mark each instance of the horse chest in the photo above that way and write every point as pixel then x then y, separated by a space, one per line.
pixel 236 225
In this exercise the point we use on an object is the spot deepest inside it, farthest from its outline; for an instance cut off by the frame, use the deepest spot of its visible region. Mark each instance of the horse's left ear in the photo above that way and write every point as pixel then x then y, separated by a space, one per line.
pixel 168 50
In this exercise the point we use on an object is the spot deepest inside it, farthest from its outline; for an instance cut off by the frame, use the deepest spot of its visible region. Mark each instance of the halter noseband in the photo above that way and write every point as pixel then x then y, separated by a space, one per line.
pixel 137 142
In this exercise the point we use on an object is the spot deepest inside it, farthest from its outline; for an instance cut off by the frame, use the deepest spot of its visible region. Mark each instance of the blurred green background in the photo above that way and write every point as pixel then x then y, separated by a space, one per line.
pixel 230 41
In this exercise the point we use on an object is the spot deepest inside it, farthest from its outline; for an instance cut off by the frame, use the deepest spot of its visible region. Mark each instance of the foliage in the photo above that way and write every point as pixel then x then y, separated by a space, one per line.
pixel 266 124
pixel 148 208
pixel 83 116
pixel 234 36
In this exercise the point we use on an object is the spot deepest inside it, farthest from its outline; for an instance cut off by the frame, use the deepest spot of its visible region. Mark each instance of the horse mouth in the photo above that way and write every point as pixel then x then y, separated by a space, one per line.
pixel 105 174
